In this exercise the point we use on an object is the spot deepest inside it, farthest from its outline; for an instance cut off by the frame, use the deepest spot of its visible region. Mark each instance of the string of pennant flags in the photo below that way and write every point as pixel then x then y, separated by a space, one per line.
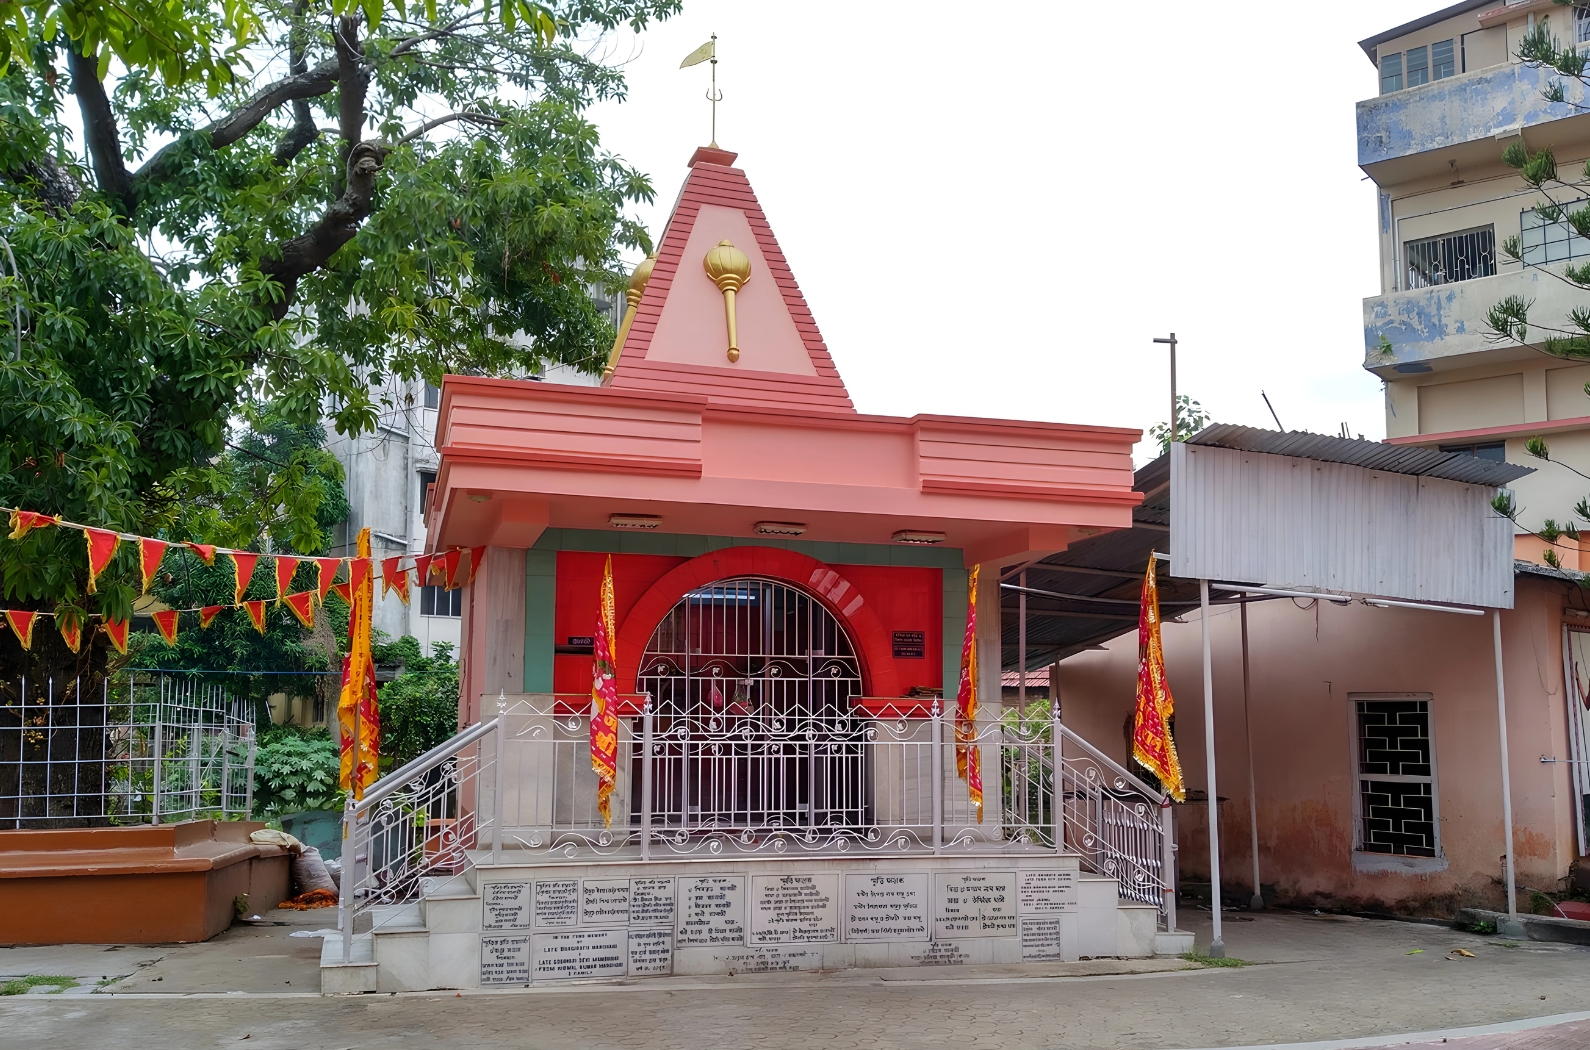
pixel 454 568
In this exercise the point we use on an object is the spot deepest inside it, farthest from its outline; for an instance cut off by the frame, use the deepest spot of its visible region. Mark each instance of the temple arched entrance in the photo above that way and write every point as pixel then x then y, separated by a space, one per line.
pixel 752 681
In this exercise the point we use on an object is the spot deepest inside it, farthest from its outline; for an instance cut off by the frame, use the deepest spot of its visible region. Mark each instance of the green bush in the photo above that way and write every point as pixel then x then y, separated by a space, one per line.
pixel 296 770
pixel 419 708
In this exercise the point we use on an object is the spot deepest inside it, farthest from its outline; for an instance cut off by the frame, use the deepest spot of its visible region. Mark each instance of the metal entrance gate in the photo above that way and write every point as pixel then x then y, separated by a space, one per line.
pixel 752 681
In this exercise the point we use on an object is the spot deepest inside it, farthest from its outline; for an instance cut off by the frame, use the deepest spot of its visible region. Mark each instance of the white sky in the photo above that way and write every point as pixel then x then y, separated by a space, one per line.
pixel 997 219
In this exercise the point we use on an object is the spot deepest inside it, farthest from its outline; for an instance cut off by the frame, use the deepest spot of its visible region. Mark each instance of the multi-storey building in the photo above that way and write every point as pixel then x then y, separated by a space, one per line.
pixel 1452 95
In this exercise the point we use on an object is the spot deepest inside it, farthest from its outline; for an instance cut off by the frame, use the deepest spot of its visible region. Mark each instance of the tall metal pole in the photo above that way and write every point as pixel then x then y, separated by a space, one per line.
pixel 1217 944
pixel 1257 903
pixel 1507 779
pixel 1172 343
pixel 1021 648
pixel 936 767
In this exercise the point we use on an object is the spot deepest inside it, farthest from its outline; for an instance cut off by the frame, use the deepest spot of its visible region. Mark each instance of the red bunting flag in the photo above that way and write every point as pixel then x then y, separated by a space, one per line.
pixel 117 630
pixel 149 554
pixel 71 630
pixel 21 621
pixel 242 571
pixel 327 568
pixel 285 567
pixel 968 756
pixel 422 568
pixel 389 572
pixel 343 591
pixel 207 614
pixel 23 520
pixel 476 556
pixel 303 606
pixel 205 551
pixel 101 548
pixel 256 614
pixel 450 562
pixel 166 624
pixel 399 583
pixel 358 571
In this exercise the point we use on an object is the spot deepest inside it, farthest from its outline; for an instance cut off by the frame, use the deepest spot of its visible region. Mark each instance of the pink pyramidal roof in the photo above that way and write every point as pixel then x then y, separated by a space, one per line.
pixel 678 343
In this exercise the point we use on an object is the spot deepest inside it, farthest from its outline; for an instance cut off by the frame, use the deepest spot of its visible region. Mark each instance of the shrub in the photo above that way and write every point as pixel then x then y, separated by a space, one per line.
pixel 296 770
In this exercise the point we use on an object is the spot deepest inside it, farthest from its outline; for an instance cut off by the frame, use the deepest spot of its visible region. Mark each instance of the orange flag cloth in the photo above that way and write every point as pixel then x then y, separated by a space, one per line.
pixel 23 520
pixel 604 701
pixel 303 606
pixel 327 570
pixel 395 578
pixel 101 549
pixel 21 621
pixel 1152 745
pixel 476 556
pixel 968 756
pixel 285 567
pixel 117 630
pixel 207 614
pixel 149 554
pixel 357 715
pixel 71 631
pixel 242 571
pixel 205 551
pixel 256 613
pixel 450 562
pixel 166 624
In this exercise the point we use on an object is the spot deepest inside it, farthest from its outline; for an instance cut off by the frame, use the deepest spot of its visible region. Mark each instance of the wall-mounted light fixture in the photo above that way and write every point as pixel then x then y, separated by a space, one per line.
pixel 925 539
pixel 634 521
pixel 779 528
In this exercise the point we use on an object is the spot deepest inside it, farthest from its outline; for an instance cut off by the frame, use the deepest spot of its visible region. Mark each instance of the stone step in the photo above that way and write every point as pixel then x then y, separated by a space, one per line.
pixel 355 975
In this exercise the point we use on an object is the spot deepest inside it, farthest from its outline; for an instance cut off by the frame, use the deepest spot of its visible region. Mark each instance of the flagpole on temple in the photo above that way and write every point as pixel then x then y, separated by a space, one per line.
pixel 1217 944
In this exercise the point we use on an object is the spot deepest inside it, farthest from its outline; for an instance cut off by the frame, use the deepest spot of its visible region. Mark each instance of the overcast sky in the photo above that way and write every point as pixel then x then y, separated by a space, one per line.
pixel 997 219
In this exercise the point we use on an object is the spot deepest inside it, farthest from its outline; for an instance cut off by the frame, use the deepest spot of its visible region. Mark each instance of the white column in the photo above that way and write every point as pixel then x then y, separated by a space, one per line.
pixel 1217 944
pixel 1257 902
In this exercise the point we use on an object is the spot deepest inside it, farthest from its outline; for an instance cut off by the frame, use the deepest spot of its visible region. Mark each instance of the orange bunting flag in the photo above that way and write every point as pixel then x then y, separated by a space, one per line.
pixel 21 621
pixel 358 572
pixel 101 549
pixel 285 567
pixel 327 569
pixel 256 613
pixel 242 571
pixel 1152 745
pixel 968 756
pixel 358 718
pixel 166 623
pixel 23 520
pixel 422 568
pixel 207 614
pixel 71 631
pixel 450 562
pixel 389 571
pixel 205 551
pixel 400 583
pixel 149 554
pixel 604 700
pixel 343 591
pixel 117 630
pixel 303 606
pixel 476 556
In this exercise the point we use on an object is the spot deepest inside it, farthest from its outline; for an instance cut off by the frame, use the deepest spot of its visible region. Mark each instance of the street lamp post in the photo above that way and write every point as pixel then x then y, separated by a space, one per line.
pixel 1172 343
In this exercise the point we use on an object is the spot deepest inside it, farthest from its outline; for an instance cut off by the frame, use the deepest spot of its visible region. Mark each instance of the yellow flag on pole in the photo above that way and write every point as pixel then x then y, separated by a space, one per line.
pixel 701 54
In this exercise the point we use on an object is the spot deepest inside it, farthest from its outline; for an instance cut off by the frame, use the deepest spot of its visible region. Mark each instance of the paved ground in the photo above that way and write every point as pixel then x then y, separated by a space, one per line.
pixel 1317 979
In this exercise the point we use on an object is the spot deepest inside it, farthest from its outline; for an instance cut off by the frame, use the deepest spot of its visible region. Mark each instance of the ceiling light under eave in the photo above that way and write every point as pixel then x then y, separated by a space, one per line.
pixel 921 539
pixel 779 528
pixel 634 521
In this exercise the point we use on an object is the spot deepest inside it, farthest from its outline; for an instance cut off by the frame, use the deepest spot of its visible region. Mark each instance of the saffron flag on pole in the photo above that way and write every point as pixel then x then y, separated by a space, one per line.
pixel 1152 745
pixel 101 548
pixel 166 623
pixel 149 554
pixel 21 621
pixel 357 716
pixel 968 757
pixel 604 701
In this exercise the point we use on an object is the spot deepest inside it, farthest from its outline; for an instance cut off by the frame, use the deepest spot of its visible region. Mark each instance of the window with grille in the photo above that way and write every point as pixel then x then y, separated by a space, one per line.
pixel 1543 239
pixel 1396 778
pixel 427 484
pixel 1390 73
pixel 1460 256
pixel 1581 25
pixel 433 396
pixel 1417 62
pixel 1443 61
pixel 1495 451
pixel 438 601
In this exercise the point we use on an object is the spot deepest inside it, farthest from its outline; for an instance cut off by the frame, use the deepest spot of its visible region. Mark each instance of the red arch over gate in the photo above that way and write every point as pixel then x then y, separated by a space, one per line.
pixel 828 585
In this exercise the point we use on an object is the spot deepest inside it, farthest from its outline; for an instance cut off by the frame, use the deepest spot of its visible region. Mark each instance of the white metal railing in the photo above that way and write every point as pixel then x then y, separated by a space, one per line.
pixel 881 781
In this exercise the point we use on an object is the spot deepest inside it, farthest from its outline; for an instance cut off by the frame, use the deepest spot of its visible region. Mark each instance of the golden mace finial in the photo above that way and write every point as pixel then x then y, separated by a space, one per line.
pixel 730 270
pixel 632 296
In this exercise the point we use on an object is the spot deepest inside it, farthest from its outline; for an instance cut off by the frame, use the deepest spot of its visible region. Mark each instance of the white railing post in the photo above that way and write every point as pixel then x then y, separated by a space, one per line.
pixel 1167 864
pixel 937 766
pixel 1056 776
pixel 497 820
pixel 160 737
pixel 647 719
pixel 348 878
pixel 248 787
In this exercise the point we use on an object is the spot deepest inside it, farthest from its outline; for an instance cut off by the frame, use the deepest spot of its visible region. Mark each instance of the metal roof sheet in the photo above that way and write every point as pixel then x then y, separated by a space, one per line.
pixel 1372 455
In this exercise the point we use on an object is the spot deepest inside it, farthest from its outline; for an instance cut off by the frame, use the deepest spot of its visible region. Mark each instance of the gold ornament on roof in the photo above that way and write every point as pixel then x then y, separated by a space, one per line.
pixel 632 295
pixel 730 270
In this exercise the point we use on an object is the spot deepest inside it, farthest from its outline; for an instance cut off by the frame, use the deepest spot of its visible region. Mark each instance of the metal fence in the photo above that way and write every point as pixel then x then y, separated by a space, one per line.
pixel 142 749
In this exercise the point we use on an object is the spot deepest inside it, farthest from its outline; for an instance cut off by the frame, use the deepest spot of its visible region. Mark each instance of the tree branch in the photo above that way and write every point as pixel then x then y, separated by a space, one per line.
pixel 409 43
pixel 337 225
pixel 99 127
pixel 303 132
pixel 432 125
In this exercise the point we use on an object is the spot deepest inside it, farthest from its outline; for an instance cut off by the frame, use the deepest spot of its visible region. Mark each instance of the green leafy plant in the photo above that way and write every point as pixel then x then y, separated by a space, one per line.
pixel 1190 418
pixel 296 770
pixel 1205 959
pixel 419 708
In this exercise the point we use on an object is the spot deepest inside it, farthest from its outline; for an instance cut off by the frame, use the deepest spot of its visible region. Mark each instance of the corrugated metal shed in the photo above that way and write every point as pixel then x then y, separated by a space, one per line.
pixel 1374 455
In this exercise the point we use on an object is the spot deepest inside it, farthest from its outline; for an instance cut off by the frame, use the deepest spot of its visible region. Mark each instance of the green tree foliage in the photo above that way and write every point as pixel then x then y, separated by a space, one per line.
pixel 419 708
pixel 282 204
pixel 296 770
pixel 1190 418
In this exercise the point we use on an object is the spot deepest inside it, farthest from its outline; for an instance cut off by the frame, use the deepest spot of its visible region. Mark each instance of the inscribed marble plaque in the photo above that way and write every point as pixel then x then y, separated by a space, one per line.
pixel 942 953
pixel 557 902
pixel 1048 892
pixel 971 904
pixel 794 909
pixel 505 960
pixel 711 910
pixel 771 960
pixel 651 902
pixel 505 906
pixel 890 906
pixel 1040 940
pixel 604 902
pixel 581 953
pixel 651 953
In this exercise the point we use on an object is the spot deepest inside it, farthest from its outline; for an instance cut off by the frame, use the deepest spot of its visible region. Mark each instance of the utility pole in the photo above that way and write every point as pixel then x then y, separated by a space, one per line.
pixel 1172 342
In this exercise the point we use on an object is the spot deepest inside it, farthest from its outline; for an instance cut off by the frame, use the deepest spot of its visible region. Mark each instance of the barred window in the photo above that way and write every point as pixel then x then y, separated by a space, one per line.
pixel 1390 73
pixel 438 601
pixel 1443 63
pixel 1543 240
pixel 1418 62
pixel 1460 256
pixel 1396 778
pixel 1581 25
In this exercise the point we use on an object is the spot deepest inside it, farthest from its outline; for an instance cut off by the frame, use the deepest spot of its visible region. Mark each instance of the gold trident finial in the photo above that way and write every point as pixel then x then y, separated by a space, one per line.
pixel 730 270
pixel 708 52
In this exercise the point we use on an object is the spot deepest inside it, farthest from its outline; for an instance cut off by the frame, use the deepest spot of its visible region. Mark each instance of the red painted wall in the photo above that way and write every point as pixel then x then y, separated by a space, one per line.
pixel 902 599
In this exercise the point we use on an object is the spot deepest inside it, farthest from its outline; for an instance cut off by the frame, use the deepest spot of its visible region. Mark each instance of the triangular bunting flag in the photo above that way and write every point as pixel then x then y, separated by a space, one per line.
pixel 389 572
pixel 23 520
pixel 205 551
pixel 450 562
pixel 476 556
pixel 422 568
pixel 359 570
pixel 101 548
pixel 117 629
pixel 400 583
pixel 149 554
pixel 21 621
pixel 242 570
pixel 285 567
pixel 166 623
pixel 327 568
pixel 256 614
pixel 343 591
pixel 303 606
pixel 71 631
pixel 207 614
